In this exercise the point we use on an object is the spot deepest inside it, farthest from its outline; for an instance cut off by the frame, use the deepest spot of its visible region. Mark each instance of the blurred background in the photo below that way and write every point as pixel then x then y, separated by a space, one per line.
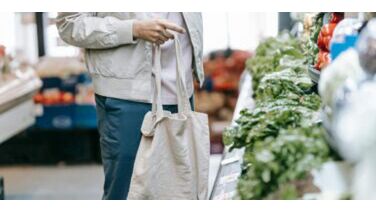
pixel 49 145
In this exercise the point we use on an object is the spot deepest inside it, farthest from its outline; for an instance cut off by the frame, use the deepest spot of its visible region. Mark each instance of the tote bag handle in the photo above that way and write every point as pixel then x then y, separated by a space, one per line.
pixel 183 100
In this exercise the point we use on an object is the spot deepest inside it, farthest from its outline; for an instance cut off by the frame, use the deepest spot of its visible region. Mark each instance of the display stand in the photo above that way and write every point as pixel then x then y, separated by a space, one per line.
pixel 17 109
pixel 230 167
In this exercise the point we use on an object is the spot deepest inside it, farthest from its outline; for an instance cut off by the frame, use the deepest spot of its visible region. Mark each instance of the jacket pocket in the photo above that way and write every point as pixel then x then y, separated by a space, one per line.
pixel 124 62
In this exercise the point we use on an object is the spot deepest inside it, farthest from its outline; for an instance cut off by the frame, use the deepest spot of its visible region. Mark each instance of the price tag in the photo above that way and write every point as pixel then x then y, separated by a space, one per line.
pixel 230 160
pixel 229 178
pixel 225 196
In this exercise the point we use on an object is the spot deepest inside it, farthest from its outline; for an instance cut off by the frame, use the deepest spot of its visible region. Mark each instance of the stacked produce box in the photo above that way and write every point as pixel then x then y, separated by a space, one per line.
pixel 67 95
pixel 219 94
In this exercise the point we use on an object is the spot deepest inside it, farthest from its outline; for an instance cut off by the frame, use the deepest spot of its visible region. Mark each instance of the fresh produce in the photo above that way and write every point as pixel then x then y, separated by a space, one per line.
pixel 278 161
pixel 85 94
pixel 311 49
pixel 336 17
pixel 2 58
pixel 2 51
pixel 224 68
pixel 266 122
pixel 323 60
pixel 210 102
pixel 269 55
pixel 282 137
pixel 4 62
pixel 283 84
pixel 324 38
pixel 54 97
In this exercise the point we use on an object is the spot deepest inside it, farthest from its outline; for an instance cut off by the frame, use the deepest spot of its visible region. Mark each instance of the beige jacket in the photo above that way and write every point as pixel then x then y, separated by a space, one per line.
pixel 120 66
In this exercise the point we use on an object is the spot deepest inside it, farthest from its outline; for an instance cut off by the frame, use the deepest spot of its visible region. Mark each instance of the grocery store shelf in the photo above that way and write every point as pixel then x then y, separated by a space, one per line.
pixel 314 74
pixel 17 109
pixel 16 119
pixel 25 84
pixel 230 167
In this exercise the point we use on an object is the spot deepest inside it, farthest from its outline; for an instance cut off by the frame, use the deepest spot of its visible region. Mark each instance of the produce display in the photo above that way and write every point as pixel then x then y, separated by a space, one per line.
pixel 223 68
pixel 282 136
pixel 67 95
pixel 217 98
pixel 4 65
pixel 313 26
pixel 62 85
pixel 279 166
pixel 320 35
pixel 2 58
pixel 273 55
pixel 54 97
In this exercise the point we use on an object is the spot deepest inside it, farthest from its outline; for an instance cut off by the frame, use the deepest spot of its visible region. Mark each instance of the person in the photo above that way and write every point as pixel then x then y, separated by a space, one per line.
pixel 119 57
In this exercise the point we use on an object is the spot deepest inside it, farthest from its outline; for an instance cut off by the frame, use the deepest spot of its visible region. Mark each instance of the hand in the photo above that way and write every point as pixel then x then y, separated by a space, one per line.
pixel 155 31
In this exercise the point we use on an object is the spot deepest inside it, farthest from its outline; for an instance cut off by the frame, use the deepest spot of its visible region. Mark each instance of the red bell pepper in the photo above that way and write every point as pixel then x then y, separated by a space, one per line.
pixel 336 17
pixel 325 36
pixel 2 50
pixel 323 60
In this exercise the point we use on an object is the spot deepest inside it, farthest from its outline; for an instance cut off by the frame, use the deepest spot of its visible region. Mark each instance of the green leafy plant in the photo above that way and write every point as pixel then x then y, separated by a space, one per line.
pixel 282 137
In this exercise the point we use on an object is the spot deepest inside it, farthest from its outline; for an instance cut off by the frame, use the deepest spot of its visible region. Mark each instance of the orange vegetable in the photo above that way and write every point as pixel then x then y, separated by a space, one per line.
pixel 325 36
pixel 323 60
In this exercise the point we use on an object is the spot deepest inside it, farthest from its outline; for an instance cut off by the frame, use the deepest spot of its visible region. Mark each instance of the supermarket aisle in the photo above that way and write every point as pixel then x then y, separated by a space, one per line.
pixel 52 182
pixel 63 182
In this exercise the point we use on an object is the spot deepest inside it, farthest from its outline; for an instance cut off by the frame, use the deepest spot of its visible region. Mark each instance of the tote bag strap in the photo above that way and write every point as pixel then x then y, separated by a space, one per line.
pixel 183 99
pixel 157 107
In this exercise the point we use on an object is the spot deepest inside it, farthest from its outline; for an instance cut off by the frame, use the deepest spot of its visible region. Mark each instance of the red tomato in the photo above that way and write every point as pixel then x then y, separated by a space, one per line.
pixel 66 98
pixel 323 60
pixel 325 36
pixel 2 50
pixel 38 98
pixel 336 17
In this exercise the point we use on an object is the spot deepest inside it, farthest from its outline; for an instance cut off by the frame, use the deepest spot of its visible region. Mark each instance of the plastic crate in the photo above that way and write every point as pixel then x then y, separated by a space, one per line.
pixel 84 78
pixel 51 82
pixel 69 84
pixel 64 84
pixel 85 117
pixel 56 117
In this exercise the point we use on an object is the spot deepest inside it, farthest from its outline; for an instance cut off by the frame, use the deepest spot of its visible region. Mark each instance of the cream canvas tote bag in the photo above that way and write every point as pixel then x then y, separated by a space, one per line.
pixel 172 161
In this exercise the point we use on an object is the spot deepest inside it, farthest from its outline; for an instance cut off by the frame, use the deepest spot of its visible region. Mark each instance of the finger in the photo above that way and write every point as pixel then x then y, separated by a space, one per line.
pixel 156 40
pixel 168 34
pixel 172 26
pixel 160 36
pixel 159 28
pixel 160 42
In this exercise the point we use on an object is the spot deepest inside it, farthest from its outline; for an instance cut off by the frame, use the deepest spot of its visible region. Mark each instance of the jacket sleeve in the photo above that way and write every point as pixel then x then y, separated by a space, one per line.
pixel 85 30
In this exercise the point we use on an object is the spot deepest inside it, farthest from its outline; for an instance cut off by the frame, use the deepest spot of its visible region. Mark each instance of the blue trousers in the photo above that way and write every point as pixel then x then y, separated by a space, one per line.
pixel 119 124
